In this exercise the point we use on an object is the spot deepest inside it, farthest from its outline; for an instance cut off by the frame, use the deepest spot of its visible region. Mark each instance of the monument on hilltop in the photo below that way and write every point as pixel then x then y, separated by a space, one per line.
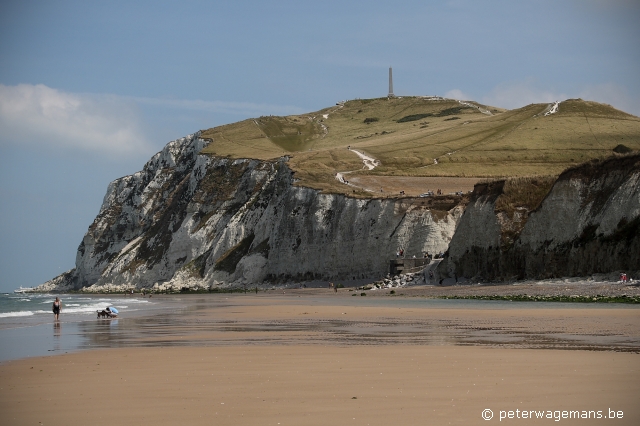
pixel 391 95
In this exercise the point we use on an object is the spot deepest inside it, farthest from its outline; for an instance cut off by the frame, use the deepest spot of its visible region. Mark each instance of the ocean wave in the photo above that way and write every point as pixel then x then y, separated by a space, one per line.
pixel 16 314
pixel 40 305
pixel 86 308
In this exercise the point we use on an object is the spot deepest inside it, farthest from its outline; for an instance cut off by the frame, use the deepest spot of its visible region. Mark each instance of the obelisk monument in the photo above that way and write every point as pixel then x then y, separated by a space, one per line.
pixel 391 95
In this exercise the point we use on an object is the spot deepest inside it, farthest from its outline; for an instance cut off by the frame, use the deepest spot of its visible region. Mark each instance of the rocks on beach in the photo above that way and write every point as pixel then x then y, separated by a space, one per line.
pixel 396 281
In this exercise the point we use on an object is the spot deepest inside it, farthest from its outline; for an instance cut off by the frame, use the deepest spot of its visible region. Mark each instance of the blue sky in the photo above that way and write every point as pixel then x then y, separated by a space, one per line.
pixel 90 90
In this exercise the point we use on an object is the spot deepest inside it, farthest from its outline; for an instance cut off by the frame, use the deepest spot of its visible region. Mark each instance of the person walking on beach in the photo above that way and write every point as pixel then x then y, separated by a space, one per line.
pixel 57 307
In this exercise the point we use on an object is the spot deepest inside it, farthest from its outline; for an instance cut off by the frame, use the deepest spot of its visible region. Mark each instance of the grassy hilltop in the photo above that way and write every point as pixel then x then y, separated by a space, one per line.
pixel 416 137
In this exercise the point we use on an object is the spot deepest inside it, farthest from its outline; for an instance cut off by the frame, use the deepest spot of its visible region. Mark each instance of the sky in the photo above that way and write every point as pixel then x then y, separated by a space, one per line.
pixel 90 90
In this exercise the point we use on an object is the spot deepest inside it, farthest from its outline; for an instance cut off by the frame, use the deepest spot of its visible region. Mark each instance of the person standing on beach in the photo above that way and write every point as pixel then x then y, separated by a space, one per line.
pixel 57 307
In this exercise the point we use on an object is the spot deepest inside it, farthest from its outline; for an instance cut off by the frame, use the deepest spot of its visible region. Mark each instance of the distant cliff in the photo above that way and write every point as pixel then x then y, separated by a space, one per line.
pixel 199 221
pixel 588 223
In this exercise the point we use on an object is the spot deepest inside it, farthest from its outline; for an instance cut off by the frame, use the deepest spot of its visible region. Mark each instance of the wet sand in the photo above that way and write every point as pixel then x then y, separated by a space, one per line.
pixel 557 287
pixel 318 359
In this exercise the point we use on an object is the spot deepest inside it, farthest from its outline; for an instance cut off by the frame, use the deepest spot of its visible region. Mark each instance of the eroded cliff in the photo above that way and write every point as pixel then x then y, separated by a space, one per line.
pixel 198 221
pixel 588 223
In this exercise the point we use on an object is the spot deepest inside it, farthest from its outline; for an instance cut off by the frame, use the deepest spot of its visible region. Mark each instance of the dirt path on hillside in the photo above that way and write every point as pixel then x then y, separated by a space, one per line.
pixel 370 163
pixel 403 185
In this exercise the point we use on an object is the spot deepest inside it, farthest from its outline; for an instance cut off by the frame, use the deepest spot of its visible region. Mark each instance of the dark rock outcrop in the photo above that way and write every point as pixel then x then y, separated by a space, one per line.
pixel 588 223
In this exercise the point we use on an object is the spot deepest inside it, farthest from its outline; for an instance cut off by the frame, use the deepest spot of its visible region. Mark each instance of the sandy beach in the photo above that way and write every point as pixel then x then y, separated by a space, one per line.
pixel 310 359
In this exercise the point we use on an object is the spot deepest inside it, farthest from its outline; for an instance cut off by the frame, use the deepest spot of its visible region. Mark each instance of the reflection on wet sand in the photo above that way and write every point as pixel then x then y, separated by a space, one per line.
pixel 57 333
pixel 211 322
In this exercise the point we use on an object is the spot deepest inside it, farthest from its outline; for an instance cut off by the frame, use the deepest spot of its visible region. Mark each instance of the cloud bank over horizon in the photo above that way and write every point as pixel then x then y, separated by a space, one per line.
pixel 38 116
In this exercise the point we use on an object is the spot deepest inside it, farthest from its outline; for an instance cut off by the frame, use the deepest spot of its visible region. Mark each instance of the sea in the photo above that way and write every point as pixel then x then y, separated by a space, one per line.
pixel 27 326
pixel 36 308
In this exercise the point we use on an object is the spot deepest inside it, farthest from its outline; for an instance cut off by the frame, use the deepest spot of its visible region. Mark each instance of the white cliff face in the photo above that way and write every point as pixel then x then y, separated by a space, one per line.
pixel 190 220
pixel 195 221
pixel 482 232
pixel 589 223
pixel 130 209
pixel 572 206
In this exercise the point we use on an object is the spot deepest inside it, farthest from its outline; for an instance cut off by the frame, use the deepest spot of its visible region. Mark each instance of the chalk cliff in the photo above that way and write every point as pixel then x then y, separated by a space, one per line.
pixel 198 221
pixel 189 220
pixel 588 223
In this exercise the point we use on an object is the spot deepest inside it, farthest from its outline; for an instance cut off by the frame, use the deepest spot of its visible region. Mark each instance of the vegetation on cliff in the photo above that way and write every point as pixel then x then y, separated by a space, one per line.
pixel 483 142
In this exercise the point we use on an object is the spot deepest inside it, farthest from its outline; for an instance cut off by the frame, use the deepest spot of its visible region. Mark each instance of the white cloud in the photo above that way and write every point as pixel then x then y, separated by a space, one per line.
pixel 518 94
pixel 457 94
pixel 42 117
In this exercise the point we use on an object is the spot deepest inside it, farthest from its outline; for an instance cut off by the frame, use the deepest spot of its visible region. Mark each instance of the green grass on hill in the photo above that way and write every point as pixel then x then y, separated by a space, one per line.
pixel 290 133
pixel 411 134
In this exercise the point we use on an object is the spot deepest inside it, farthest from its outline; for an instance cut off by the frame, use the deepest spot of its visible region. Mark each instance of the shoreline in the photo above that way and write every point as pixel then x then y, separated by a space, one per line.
pixel 320 316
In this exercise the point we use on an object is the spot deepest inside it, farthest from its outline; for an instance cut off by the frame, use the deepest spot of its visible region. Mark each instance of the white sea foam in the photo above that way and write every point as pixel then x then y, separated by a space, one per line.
pixel 39 305
pixel 86 308
pixel 16 314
